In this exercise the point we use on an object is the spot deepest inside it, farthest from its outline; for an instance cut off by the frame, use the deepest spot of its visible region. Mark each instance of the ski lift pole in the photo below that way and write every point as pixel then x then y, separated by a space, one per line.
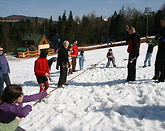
pixel 69 81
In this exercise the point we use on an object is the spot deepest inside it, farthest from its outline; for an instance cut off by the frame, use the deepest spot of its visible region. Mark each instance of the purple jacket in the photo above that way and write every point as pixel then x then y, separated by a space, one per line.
pixel 4 66
pixel 8 112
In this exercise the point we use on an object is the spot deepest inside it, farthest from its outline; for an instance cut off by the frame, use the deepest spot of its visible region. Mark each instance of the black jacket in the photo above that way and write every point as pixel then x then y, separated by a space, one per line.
pixel 161 46
pixel 62 58
pixel 150 48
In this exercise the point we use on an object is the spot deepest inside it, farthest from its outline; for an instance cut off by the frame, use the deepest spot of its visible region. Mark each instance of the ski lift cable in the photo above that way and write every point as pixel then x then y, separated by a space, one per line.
pixel 69 81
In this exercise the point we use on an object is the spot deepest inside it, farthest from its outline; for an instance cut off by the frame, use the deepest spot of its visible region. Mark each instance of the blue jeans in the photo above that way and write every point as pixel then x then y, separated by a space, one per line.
pixel 5 78
pixel 81 64
pixel 148 58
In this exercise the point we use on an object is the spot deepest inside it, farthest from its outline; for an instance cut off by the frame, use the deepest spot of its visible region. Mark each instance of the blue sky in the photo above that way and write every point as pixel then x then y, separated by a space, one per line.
pixel 54 8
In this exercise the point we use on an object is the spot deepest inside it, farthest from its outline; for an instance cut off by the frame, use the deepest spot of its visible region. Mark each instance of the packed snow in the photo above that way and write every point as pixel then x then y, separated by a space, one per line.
pixel 99 99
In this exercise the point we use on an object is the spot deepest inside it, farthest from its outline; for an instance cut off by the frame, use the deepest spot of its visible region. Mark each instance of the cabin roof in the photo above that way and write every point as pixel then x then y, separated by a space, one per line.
pixel 36 38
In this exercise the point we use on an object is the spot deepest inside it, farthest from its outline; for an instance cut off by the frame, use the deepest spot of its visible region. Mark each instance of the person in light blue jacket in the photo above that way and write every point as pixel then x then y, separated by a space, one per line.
pixel 81 60
pixel 4 71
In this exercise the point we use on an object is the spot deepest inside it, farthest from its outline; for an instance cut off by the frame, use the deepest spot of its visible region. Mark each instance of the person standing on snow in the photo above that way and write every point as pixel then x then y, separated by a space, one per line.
pixel 81 58
pixel 151 45
pixel 160 56
pixel 42 71
pixel 133 50
pixel 4 71
pixel 63 62
pixel 74 55
pixel 70 59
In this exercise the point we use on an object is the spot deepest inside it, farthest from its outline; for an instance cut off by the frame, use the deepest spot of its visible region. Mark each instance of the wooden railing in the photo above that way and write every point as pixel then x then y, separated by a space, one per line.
pixel 31 54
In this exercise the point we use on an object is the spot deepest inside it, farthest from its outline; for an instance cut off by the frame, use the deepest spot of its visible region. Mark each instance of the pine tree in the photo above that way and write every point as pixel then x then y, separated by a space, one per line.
pixel 69 30
pixel 84 30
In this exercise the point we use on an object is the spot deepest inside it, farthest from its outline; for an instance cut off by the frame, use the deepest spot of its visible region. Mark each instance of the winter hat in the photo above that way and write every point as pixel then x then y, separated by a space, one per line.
pixel 43 53
pixel 82 52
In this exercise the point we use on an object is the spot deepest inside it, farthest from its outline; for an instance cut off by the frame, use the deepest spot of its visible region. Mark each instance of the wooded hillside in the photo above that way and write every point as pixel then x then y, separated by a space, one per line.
pixel 87 30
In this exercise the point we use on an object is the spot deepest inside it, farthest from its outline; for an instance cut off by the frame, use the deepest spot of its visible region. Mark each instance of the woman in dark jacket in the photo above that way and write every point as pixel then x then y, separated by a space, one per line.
pixel 62 61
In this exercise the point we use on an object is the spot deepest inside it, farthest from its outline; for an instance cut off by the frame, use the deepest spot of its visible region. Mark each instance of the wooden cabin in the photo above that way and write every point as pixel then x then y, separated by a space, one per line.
pixel 31 45
pixel 35 42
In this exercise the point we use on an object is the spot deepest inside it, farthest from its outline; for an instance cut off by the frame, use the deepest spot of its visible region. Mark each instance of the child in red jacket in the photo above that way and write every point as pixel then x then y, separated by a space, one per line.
pixel 42 71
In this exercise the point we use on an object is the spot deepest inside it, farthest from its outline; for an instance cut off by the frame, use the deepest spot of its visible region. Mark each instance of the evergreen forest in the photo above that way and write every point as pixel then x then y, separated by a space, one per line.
pixel 88 30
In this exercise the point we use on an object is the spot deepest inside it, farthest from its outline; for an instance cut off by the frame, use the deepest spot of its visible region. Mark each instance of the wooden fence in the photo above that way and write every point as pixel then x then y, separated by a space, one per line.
pixel 31 54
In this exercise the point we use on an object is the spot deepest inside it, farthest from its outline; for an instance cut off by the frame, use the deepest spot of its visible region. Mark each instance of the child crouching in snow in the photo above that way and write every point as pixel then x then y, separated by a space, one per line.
pixel 42 71
pixel 11 103
pixel 110 57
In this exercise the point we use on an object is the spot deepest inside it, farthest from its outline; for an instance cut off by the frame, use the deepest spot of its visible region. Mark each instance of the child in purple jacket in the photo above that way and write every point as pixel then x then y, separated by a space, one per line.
pixel 11 103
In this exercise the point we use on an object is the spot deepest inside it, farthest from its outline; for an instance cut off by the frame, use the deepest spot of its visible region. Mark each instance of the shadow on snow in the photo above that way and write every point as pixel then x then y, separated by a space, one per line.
pixel 153 112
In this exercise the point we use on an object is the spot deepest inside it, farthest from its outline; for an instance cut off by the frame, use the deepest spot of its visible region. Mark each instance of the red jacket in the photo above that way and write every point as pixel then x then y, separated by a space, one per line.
pixel 75 50
pixel 41 67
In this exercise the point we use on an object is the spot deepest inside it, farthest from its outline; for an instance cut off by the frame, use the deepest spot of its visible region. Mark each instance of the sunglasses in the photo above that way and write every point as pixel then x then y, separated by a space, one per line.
pixel 1 50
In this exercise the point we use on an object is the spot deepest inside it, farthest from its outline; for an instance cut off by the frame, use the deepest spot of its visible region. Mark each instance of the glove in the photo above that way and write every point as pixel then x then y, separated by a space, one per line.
pixel 57 67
